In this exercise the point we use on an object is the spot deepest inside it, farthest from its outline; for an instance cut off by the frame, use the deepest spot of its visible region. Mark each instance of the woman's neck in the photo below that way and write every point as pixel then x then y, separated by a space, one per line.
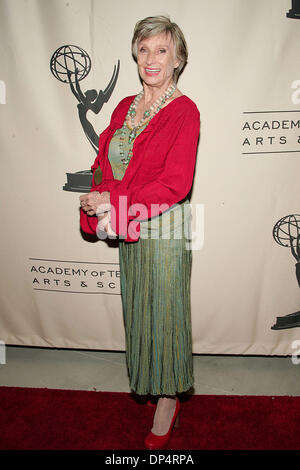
pixel 152 93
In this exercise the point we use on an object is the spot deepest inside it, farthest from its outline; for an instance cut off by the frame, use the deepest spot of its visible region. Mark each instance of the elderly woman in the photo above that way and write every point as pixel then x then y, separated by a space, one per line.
pixel 142 177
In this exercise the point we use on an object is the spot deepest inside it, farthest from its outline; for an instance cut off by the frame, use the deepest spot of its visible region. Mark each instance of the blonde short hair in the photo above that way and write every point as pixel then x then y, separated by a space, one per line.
pixel 153 25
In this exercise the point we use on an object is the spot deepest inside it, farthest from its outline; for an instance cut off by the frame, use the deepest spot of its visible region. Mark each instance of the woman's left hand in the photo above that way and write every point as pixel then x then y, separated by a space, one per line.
pixel 89 202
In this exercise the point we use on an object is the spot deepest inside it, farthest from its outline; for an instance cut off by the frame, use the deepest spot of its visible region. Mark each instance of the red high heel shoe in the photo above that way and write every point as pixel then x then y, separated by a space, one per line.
pixel 155 442
pixel 151 403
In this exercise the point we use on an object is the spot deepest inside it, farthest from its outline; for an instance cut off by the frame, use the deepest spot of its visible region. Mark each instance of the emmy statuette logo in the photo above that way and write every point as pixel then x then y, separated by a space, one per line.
pixel 71 64
pixel 294 12
pixel 286 232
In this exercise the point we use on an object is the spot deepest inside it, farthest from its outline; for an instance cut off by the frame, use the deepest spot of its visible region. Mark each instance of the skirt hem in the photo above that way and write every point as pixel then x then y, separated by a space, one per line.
pixel 158 393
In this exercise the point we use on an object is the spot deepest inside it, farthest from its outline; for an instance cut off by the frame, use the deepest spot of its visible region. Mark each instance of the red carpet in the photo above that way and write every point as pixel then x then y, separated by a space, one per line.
pixel 69 420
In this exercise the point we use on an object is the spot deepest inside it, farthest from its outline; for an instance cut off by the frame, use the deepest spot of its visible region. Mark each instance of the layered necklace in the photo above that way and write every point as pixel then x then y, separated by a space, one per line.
pixel 146 118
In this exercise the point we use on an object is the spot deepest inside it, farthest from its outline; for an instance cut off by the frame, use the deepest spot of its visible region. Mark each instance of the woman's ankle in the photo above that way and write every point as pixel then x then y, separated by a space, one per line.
pixel 163 414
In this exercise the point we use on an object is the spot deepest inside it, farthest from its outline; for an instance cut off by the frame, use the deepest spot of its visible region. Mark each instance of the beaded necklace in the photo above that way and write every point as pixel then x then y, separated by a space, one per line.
pixel 146 118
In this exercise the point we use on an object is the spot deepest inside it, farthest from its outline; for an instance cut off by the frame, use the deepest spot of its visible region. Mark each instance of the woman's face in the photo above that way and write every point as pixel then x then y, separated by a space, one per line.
pixel 156 60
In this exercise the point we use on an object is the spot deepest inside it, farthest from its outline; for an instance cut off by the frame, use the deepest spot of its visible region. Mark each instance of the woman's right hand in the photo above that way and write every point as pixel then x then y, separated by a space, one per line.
pixel 90 201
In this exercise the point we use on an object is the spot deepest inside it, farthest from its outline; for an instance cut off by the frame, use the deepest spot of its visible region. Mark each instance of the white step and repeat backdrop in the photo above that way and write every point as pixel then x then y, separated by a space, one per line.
pixel 60 289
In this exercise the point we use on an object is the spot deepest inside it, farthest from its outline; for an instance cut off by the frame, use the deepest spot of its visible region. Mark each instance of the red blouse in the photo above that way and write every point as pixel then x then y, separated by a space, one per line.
pixel 160 171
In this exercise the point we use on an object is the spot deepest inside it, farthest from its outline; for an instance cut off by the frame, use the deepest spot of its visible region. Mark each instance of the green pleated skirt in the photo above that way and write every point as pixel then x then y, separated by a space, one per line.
pixel 155 288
